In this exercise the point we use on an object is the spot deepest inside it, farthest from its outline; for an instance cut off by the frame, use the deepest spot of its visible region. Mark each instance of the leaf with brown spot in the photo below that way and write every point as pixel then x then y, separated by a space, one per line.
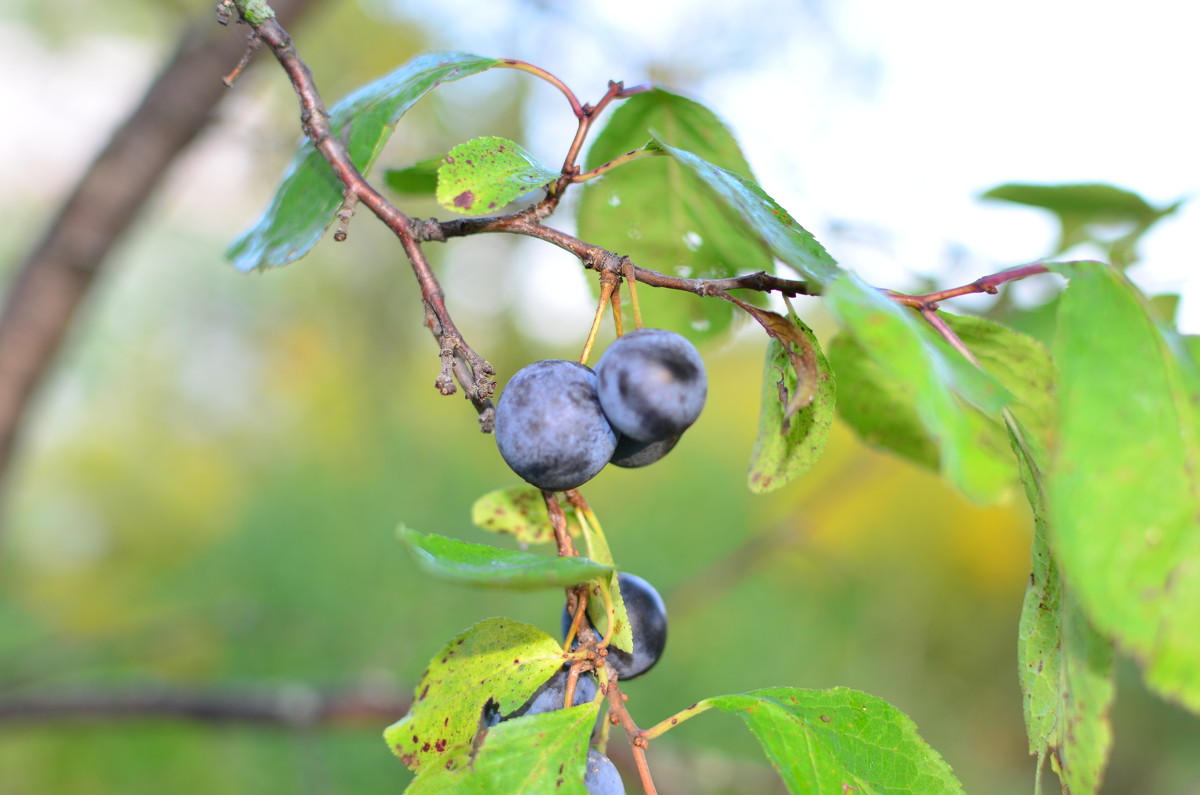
pixel 789 444
pixel 802 353
pixel 520 512
pixel 488 172
pixel 475 667
pixel 1066 666
pixel 531 755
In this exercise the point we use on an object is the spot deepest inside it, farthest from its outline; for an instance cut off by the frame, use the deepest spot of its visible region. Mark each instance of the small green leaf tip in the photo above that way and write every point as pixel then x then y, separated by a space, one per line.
pixel 255 12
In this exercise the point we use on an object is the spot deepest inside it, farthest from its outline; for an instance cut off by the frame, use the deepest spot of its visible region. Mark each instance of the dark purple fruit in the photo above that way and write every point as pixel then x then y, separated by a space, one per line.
pixel 601 776
pixel 652 384
pixel 553 695
pixel 631 453
pixel 550 428
pixel 647 622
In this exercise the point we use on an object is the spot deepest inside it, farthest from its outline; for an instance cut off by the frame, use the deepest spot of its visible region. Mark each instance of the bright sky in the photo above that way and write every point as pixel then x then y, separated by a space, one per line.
pixel 892 117
pixel 876 123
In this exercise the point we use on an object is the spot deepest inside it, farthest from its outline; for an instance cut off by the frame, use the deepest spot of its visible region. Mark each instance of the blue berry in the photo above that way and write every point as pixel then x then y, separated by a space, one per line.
pixel 631 453
pixel 647 622
pixel 550 428
pixel 601 777
pixel 553 694
pixel 652 384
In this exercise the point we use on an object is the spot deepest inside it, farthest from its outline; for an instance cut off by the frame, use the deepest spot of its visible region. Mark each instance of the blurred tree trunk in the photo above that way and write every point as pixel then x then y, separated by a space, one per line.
pixel 49 286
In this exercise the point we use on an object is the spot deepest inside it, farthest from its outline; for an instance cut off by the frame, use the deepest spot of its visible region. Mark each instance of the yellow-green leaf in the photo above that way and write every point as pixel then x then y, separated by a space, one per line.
pixel 496 660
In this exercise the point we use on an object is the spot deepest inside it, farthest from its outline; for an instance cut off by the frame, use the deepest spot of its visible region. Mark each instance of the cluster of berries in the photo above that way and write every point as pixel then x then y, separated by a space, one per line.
pixel 648 623
pixel 559 422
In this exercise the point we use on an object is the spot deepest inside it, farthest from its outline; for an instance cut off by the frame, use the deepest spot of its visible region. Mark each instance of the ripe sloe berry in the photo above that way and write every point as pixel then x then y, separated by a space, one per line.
pixel 652 384
pixel 647 622
pixel 549 425
pixel 553 694
pixel 631 453
pixel 602 777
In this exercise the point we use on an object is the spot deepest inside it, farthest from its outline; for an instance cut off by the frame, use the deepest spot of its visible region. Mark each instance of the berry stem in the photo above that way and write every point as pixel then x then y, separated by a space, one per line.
pixel 558 521
pixel 627 270
pixel 618 321
pixel 607 283
pixel 577 616
pixel 679 717
pixel 572 680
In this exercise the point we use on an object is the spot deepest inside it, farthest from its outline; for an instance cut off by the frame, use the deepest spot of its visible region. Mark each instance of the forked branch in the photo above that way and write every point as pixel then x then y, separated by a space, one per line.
pixel 460 361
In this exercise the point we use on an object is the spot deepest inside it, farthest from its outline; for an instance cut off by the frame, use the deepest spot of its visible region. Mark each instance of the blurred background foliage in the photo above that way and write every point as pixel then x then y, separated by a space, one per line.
pixel 210 483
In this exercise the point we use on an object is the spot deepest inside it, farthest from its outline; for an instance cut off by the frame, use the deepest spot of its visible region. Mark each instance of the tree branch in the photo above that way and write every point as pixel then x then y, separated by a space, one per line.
pixel 989 284
pixel 295 706
pixel 54 278
pixel 528 222
pixel 471 370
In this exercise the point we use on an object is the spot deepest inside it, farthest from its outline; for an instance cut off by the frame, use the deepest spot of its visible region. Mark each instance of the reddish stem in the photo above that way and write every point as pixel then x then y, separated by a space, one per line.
pixel 985 284
pixel 617 713
pixel 512 63
pixel 459 360
pixel 934 319
pixel 558 521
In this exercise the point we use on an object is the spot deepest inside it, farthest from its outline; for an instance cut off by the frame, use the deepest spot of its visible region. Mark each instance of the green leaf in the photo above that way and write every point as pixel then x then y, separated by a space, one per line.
pixel 521 512
pixel 307 200
pixel 771 224
pixel 883 412
pixel 1093 201
pixel 483 174
pixel 945 391
pixel 662 216
pixel 831 742
pixel 419 179
pixel 906 350
pixel 597 549
pixel 1085 211
pixel 479 564
pixel 540 754
pixel 791 437
pixel 1123 489
pixel 496 660
pixel 1023 366
pixel 1066 667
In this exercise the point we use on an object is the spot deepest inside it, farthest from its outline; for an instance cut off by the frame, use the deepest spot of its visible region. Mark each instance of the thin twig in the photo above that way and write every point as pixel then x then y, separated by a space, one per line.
pixel 939 325
pixel 601 170
pixel 576 108
pixel 590 113
pixel 471 370
pixel 596 258
pixel 618 714
pixel 985 284
pixel 291 706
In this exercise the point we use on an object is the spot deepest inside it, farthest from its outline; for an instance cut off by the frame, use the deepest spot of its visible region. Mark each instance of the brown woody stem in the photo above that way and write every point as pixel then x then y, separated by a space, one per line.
pixel 471 370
